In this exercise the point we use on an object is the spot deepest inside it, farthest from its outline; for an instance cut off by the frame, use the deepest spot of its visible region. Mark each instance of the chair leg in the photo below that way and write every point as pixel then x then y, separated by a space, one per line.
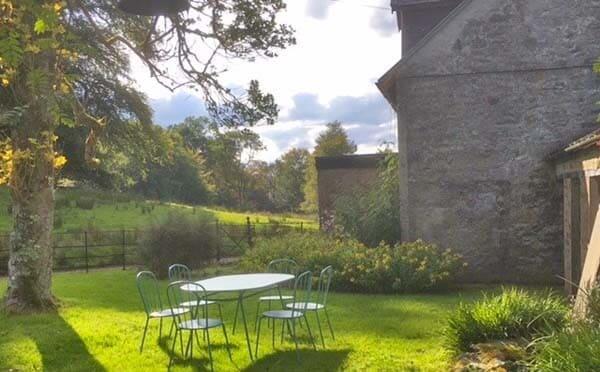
pixel 173 349
pixel 220 311
pixel 227 342
pixel 198 339
pixel 237 308
pixel 257 314
pixel 144 335
pixel 160 329
pixel 209 350
pixel 329 322
pixel 295 339
pixel 273 336
pixel 204 310
pixel 180 339
pixel 320 328
pixel 309 331
pixel 188 350
pixel 258 336
pixel 172 326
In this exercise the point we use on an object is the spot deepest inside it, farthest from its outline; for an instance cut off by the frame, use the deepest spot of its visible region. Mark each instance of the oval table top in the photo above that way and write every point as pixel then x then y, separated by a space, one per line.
pixel 241 282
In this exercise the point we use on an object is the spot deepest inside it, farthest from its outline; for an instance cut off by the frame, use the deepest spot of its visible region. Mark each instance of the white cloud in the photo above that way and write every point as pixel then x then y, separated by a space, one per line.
pixel 337 60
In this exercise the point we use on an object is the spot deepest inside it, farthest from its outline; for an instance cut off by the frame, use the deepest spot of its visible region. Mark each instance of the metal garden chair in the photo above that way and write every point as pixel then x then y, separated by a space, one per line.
pixel 321 304
pixel 179 272
pixel 149 292
pixel 301 295
pixel 281 266
pixel 186 291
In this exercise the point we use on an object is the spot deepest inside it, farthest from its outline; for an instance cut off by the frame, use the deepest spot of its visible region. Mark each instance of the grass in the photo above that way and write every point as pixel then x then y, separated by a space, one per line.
pixel 99 325
pixel 513 314
pixel 119 211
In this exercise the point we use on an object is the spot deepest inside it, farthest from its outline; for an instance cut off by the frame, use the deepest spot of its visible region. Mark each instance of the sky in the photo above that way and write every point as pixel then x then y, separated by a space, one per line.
pixel 343 47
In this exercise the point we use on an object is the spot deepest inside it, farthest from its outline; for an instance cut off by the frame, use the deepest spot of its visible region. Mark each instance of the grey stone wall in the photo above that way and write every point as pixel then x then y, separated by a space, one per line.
pixel 480 107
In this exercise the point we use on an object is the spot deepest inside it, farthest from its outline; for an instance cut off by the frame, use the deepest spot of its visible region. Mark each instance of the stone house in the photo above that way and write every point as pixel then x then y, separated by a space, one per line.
pixel 485 92
pixel 343 175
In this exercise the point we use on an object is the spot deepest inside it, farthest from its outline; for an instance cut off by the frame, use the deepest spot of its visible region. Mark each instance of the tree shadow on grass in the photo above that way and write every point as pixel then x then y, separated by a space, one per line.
pixel 58 344
pixel 310 360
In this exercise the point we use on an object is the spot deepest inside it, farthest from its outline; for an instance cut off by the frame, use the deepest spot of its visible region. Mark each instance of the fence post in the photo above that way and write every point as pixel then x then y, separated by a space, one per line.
pixel 249 231
pixel 85 246
pixel 123 246
pixel 218 235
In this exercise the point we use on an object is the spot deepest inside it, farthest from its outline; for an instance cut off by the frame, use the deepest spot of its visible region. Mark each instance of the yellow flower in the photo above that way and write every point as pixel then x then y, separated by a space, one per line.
pixel 59 162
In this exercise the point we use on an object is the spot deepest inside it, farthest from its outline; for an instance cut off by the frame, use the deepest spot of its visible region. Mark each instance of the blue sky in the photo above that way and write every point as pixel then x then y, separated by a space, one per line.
pixel 343 47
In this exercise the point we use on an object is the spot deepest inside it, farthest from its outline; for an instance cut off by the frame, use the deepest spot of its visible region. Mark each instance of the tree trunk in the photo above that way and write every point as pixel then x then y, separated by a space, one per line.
pixel 30 264
pixel 32 191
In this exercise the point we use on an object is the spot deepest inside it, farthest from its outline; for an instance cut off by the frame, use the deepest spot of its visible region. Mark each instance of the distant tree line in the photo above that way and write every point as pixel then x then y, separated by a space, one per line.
pixel 199 162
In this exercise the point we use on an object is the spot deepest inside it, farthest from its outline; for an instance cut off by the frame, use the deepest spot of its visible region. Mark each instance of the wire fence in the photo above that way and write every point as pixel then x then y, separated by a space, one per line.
pixel 84 250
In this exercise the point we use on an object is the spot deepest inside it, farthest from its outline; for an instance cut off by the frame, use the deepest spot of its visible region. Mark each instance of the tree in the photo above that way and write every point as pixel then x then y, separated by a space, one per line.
pixel 289 178
pixel 54 52
pixel 195 132
pixel 228 157
pixel 334 141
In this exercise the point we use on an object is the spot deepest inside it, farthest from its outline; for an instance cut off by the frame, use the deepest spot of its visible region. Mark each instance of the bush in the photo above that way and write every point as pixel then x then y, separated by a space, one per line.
pixel 401 268
pixel 312 251
pixel 85 203
pixel 408 267
pixel 514 314
pixel 179 238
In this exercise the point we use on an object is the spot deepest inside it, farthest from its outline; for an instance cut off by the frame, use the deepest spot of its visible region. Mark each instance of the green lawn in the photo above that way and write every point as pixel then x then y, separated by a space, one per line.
pixel 118 211
pixel 100 322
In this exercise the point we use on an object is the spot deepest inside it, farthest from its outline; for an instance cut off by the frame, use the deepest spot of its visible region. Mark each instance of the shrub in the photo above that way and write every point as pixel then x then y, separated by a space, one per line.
pixel 312 251
pixel 85 203
pixel 179 238
pixel 408 267
pixel 513 314
pixel 401 268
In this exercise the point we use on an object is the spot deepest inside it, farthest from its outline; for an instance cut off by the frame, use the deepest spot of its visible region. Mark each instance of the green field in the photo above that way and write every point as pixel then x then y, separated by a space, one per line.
pixel 100 322
pixel 113 211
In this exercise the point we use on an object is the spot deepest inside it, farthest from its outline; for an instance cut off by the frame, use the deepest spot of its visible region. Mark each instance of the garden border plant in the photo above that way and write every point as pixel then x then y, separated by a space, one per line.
pixel 401 268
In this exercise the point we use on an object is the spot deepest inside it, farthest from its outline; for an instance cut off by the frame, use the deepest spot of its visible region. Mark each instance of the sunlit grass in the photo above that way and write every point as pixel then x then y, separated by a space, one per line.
pixel 99 325
pixel 114 211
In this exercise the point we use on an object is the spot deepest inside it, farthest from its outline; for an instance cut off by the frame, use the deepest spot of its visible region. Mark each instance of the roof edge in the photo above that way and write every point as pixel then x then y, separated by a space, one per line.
pixel 354 161
pixel 383 84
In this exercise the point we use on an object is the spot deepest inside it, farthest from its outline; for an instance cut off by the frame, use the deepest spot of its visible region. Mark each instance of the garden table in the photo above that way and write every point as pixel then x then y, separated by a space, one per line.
pixel 244 285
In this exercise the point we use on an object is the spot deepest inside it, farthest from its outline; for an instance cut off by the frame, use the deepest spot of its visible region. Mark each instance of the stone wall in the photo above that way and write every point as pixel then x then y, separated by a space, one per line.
pixel 481 106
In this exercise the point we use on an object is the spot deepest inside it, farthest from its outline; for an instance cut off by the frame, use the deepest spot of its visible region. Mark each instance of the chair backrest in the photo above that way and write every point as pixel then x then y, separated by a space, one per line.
pixel 324 283
pixel 302 288
pixel 283 266
pixel 149 292
pixel 182 291
pixel 179 272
